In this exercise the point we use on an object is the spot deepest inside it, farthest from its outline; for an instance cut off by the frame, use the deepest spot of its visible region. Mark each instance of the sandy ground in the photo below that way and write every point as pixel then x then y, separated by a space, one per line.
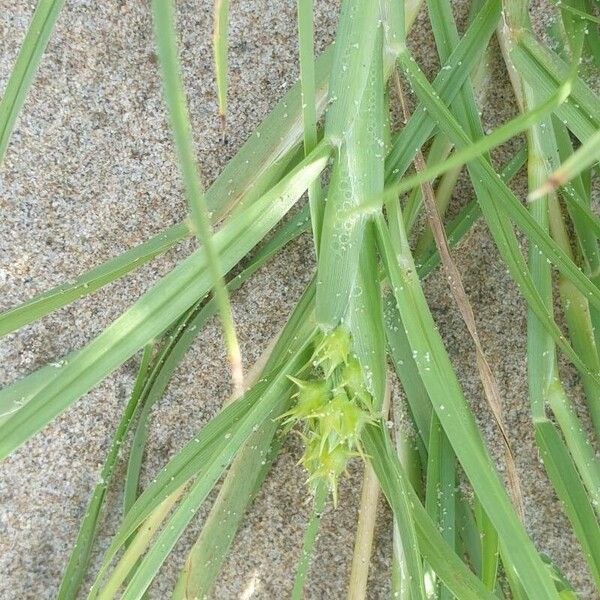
pixel 90 172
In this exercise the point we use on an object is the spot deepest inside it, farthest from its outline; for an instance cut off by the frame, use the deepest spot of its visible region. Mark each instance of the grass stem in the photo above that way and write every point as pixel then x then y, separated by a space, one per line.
pixel 180 122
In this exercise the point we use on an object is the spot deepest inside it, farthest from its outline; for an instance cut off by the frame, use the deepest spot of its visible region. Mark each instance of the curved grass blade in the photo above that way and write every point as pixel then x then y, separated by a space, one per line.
pixel 139 545
pixel 244 478
pixel 39 32
pixel 195 460
pixel 403 508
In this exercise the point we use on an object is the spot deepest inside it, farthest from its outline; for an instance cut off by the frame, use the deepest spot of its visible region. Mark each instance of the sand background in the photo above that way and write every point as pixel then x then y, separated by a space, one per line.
pixel 89 173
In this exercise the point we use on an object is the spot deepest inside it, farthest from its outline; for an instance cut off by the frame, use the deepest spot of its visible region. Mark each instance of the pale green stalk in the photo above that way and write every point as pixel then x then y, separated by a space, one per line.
pixel 310 536
pixel 363 540
pixel 180 123
pixel 356 98
pixel 365 526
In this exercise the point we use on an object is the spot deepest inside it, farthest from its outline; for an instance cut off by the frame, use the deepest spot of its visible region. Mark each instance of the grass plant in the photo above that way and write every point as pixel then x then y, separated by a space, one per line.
pixel 326 375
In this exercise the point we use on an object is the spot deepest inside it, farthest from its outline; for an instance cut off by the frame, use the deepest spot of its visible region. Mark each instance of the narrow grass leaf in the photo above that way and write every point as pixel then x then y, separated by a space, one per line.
pixel 568 486
pixel 277 393
pixel 244 478
pixel 268 155
pixel 458 227
pixel 38 33
pixel 164 30
pixel 309 108
pixel 497 213
pixel 545 71
pixel 440 495
pixel 308 544
pixel 402 506
pixel 447 85
pixel 93 280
